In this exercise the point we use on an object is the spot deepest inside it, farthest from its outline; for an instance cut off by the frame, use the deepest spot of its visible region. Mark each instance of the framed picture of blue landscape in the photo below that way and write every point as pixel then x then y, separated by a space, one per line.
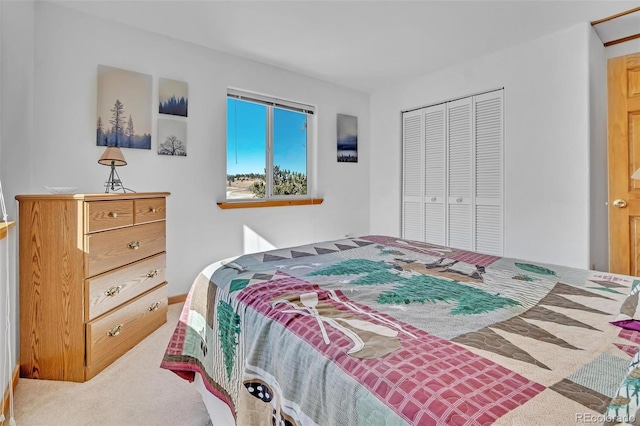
pixel 347 138
pixel 174 97
pixel 124 108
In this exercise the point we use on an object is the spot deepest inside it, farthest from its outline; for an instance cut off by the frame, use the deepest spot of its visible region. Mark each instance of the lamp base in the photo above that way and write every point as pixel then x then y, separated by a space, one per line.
pixel 113 182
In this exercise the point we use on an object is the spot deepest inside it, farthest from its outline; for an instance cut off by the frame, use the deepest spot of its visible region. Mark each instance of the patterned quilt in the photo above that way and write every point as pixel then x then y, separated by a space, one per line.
pixel 378 330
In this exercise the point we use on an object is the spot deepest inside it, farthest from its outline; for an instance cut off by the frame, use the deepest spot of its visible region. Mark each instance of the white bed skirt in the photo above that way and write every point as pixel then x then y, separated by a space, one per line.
pixel 219 412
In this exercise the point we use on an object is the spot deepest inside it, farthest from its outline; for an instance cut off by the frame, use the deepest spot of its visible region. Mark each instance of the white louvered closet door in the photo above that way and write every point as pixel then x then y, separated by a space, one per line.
pixel 453 174
pixel 489 181
pixel 413 176
pixel 435 182
pixel 460 174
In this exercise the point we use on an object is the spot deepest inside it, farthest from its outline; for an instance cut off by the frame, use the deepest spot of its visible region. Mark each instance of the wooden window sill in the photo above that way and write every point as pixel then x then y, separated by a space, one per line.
pixel 269 203
pixel 4 227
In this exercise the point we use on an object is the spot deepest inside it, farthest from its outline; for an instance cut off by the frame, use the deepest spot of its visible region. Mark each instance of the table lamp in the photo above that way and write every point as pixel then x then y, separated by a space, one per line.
pixel 112 156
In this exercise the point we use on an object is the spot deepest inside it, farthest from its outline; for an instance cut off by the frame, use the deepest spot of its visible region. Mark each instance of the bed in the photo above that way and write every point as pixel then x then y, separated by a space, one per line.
pixel 378 330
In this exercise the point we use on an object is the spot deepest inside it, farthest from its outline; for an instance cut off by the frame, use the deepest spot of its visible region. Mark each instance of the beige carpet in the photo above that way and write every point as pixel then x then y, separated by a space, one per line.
pixel 134 390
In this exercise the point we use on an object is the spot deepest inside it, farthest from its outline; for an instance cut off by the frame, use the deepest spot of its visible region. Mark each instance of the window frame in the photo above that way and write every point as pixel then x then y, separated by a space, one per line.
pixel 271 102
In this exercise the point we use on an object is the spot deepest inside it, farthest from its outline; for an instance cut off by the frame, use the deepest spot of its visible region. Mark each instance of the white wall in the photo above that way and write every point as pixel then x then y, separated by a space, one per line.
pixel 16 130
pixel 598 176
pixel 547 157
pixel 69 45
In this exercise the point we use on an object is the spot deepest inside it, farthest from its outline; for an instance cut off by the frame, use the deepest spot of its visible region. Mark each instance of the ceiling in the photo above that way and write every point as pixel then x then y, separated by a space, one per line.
pixel 364 45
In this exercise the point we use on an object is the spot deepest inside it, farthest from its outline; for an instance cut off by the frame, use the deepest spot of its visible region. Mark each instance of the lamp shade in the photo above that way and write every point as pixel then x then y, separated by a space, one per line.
pixel 112 155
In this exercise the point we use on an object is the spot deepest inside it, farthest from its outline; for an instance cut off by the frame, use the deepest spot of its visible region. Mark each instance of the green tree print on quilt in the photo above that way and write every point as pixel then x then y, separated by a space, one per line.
pixel 352 267
pixel 535 269
pixel 388 251
pixel 633 385
pixel 238 284
pixel 229 328
pixel 418 288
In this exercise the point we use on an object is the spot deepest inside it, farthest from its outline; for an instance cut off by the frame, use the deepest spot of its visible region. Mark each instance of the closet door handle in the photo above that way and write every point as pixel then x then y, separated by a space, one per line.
pixel 620 203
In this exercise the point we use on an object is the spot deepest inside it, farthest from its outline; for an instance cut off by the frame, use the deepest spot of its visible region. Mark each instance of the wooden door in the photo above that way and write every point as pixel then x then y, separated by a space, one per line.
pixel 623 78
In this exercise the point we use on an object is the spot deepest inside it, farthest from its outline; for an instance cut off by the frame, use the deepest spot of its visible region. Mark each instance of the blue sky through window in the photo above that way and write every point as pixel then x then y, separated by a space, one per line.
pixel 247 136
pixel 290 140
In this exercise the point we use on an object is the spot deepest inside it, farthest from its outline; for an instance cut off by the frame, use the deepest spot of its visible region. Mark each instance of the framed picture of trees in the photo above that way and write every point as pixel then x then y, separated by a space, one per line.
pixel 172 137
pixel 124 108
pixel 173 97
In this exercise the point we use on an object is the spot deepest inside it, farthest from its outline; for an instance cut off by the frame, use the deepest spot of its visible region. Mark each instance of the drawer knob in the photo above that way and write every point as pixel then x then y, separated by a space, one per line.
pixel 113 214
pixel 134 245
pixel 152 274
pixel 115 331
pixel 153 210
pixel 154 306
pixel 113 290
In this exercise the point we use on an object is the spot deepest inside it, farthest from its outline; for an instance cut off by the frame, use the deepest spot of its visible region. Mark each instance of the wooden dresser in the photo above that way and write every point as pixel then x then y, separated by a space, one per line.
pixel 92 280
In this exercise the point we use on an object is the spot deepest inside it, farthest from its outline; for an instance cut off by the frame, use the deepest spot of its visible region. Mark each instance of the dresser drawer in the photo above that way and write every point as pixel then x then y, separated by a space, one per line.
pixel 111 335
pixel 103 215
pixel 111 289
pixel 111 249
pixel 149 209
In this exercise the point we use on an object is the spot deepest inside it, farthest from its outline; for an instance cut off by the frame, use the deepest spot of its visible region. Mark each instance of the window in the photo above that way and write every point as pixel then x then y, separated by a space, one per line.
pixel 267 147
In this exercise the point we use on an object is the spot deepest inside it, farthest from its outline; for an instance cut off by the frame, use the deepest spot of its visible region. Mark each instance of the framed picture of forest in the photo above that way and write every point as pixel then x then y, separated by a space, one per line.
pixel 173 97
pixel 124 108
